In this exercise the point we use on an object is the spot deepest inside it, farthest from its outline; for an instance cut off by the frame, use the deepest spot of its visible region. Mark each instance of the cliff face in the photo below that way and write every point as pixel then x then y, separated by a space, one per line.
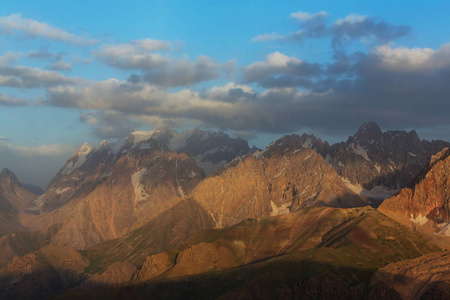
pixel 424 277
pixel 428 201
pixel 13 198
pixel 41 274
pixel 279 180
pixel 389 159
pixel 142 185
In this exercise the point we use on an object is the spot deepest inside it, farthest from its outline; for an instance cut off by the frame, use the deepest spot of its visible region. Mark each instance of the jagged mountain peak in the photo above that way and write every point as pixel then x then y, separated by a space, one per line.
pixel 295 142
pixel 369 133
pixel 8 178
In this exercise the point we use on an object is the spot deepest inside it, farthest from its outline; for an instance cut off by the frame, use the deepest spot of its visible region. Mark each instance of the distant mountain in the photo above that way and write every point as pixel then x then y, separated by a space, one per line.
pixel 373 163
pixel 427 203
pixel 37 190
pixel 145 180
pixel 278 180
pixel 390 160
pixel 13 198
pixel 89 166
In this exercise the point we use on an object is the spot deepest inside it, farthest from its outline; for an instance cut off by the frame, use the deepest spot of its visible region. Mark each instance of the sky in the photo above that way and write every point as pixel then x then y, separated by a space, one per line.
pixel 83 71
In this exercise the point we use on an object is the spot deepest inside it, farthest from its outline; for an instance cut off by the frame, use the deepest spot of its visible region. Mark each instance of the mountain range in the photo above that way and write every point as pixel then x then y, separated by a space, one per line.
pixel 166 214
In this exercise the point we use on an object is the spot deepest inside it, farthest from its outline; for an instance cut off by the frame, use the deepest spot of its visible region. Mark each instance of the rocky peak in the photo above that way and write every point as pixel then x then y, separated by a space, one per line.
pixel 295 142
pixel 428 200
pixel 368 133
pixel 8 181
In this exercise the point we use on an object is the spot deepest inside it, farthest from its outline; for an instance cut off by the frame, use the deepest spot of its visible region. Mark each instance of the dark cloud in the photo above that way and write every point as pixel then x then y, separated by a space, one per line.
pixel 354 27
pixel 342 31
pixel 137 55
pixel 44 54
pixel 279 70
pixel 34 29
pixel 60 65
pixel 184 73
pixel 26 77
pixel 109 124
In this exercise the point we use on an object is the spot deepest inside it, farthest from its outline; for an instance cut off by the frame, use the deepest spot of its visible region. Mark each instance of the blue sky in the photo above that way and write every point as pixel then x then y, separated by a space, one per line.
pixel 73 71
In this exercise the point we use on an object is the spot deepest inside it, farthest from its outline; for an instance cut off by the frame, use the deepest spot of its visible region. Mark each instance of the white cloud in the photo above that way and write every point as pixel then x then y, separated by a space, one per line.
pixel 280 70
pixel 134 55
pixel 61 65
pixel 42 150
pixel 26 77
pixel 8 58
pixel 35 29
pixel 306 17
pixel 35 165
pixel 402 59
pixel 267 37
pixel 6 100
pixel 351 19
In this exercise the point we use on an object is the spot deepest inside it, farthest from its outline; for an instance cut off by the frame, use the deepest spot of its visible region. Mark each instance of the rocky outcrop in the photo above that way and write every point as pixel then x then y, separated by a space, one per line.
pixel 424 277
pixel 163 233
pixel 154 266
pixel 13 198
pixel 144 184
pixel 279 180
pixel 116 274
pixel 42 274
pixel 314 253
pixel 90 166
pixel 363 233
pixel 389 159
pixel 428 201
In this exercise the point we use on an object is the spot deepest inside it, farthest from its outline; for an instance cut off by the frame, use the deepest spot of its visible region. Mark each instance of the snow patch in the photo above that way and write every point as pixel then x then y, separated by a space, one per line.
pixel 139 191
pixel 279 210
pixel 307 143
pixel 420 219
pixel 378 192
pixel 116 147
pixel 82 154
pixel 62 190
pixel 208 166
pixel 260 154
pixel 178 141
pixel 358 150
pixel 278 175
pixel 444 228
pixel 378 168
pixel 140 136
pixel 412 154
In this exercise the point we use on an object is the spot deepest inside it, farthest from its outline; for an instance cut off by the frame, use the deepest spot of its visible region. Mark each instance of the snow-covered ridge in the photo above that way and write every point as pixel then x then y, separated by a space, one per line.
pixel 78 159
pixel 140 140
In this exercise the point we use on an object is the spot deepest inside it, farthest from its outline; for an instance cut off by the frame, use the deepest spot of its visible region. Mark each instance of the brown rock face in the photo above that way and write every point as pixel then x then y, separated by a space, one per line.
pixel 13 199
pixel 277 181
pixel 163 233
pixel 154 266
pixel 314 253
pixel 116 274
pixel 429 199
pixel 143 185
pixel 363 234
pixel 41 274
pixel 390 159
pixel 424 277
